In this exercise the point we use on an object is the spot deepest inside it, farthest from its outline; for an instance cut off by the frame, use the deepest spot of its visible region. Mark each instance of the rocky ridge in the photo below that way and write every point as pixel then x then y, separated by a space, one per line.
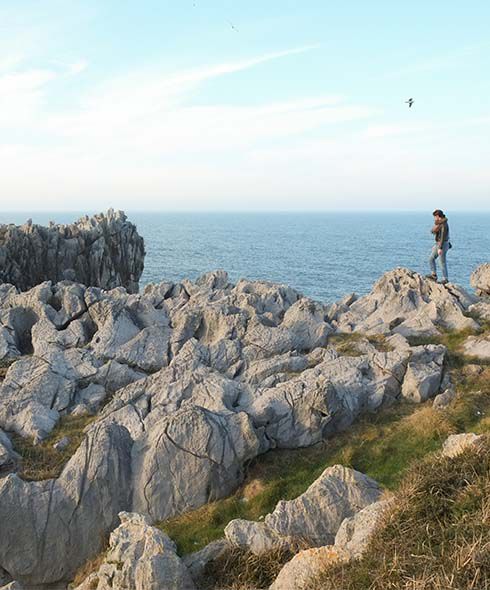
pixel 100 251
pixel 186 383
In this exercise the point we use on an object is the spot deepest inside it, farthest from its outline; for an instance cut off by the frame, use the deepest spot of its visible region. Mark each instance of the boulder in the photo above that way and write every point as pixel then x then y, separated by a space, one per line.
pixel 103 250
pixel 480 279
pixel 298 573
pixel 424 374
pixel 356 531
pixel 37 389
pixel 442 400
pixel 189 458
pixel 60 523
pixel 314 517
pixel 457 443
pixel 256 537
pixel 196 562
pixel 325 399
pixel 478 346
pixel 351 542
pixel 139 557
pixel 481 310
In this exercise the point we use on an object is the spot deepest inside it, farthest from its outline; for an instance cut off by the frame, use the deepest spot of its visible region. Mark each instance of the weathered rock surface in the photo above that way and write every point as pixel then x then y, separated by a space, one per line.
pixel 444 399
pixel 351 542
pixel 306 565
pixel 189 458
pixel 356 531
pixel 478 346
pixel 424 374
pixel 196 562
pixel 480 279
pixel 314 517
pixel 457 443
pixel 48 528
pixel 103 251
pixel 140 557
pixel 8 457
pixel 403 302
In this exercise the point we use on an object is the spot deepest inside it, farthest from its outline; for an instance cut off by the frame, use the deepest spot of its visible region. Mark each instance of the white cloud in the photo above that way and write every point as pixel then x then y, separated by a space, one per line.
pixel 138 141
pixel 146 117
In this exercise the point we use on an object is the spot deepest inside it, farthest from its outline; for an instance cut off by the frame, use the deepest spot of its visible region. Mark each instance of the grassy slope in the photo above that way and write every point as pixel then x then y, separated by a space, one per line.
pixel 436 537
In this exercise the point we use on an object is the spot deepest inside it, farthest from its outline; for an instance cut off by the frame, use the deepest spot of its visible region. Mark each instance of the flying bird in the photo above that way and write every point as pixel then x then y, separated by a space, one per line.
pixel 233 27
pixel 410 102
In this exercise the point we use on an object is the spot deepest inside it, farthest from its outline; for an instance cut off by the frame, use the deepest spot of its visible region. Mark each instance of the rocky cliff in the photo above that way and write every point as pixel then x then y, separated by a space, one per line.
pixel 180 387
pixel 101 251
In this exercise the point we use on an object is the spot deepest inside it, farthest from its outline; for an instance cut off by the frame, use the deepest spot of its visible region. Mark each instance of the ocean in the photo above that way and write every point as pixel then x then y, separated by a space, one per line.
pixel 324 255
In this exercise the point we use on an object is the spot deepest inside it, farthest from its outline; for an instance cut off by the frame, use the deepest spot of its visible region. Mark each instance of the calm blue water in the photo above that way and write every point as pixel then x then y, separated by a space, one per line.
pixel 324 255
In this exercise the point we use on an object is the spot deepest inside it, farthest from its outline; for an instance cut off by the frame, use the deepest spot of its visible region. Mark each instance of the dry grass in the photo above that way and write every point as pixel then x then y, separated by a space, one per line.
pixel 240 569
pixel 41 461
pixel 89 567
pixel 351 344
pixel 437 537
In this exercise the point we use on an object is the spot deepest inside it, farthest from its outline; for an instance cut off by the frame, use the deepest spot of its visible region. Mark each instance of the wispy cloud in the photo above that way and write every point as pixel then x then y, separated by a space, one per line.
pixel 453 58
pixel 142 130
pixel 149 113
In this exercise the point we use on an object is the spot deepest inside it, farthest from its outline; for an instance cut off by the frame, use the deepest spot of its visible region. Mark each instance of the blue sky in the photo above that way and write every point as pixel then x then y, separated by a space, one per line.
pixel 275 105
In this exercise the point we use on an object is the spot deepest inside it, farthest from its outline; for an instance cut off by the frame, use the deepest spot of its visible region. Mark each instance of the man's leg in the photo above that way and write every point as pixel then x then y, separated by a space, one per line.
pixel 444 261
pixel 432 261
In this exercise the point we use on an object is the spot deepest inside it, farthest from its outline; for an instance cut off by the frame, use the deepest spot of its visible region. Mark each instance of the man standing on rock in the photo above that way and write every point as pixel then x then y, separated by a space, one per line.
pixel 440 230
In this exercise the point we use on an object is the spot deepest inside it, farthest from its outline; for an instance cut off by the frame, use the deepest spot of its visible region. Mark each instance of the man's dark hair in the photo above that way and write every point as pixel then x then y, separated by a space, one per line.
pixel 438 212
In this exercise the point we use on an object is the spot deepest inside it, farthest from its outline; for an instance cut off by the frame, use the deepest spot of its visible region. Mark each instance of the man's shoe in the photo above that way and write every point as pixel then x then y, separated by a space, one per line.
pixel 444 282
pixel 432 277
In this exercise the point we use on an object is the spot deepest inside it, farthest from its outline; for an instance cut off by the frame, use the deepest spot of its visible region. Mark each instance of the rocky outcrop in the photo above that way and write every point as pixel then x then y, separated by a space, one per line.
pixel 480 280
pixel 48 528
pixel 424 374
pixel 101 251
pixel 403 302
pixel 186 383
pixel 356 532
pixel 140 557
pixel 314 517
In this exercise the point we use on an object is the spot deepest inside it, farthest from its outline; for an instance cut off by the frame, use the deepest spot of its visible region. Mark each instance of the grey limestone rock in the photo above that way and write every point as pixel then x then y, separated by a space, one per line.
pixel 425 371
pixel 406 303
pixel 59 523
pixel 103 250
pixel 478 346
pixel 457 443
pixel 314 517
pixel 140 557
pixel 480 279
pixel 8 457
pixel 189 458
